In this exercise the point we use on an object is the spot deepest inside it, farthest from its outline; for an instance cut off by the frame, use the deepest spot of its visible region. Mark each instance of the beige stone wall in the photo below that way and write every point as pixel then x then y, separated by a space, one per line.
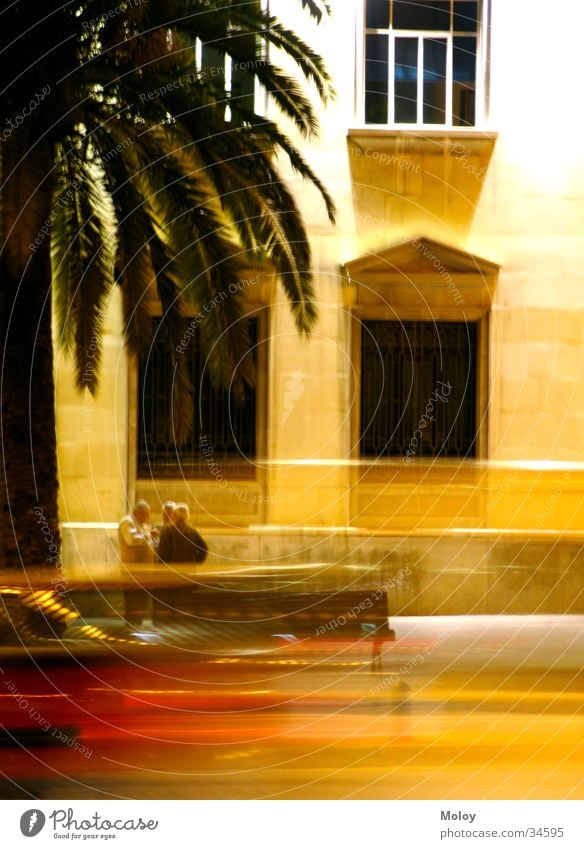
pixel 92 433
pixel 517 200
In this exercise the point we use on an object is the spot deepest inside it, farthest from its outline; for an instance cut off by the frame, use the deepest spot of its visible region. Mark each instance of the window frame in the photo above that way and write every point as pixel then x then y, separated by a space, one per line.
pixel 481 84
pixel 234 467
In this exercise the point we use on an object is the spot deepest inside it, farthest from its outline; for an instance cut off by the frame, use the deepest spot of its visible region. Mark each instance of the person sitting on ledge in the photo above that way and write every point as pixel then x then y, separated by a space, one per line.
pixel 135 535
pixel 168 509
pixel 180 542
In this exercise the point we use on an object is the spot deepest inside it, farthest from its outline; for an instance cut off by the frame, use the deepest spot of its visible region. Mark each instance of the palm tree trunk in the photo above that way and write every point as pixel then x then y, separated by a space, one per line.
pixel 29 527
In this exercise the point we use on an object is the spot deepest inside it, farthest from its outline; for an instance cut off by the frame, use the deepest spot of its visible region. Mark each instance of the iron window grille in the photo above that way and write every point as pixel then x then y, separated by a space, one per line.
pixel 418 389
pixel 224 429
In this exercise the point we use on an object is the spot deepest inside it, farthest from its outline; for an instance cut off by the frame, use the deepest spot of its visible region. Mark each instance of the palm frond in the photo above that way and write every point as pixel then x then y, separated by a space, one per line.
pixel 135 272
pixel 95 285
pixel 207 265
pixel 307 61
pixel 259 136
pixel 266 215
pixel 195 200
pixel 82 252
pixel 317 9
pixel 65 260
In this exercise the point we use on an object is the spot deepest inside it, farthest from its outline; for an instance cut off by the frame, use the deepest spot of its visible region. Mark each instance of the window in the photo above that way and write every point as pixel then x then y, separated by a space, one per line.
pixel 236 76
pixel 418 389
pixel 239 82
pixel 420 351
pixel 224 428
pixel 421 62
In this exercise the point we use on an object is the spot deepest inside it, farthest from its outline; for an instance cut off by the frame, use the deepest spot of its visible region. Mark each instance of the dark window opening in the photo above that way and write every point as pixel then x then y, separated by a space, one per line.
pixel 224 430
pixel 421 15
pixel 418 389
pixel 235 74
pixel 406 80
pixel 464 62
pixel 376 82
pixel 377 14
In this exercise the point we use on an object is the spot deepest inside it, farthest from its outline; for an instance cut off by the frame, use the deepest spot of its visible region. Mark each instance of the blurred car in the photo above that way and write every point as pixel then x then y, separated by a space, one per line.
pixel 151 643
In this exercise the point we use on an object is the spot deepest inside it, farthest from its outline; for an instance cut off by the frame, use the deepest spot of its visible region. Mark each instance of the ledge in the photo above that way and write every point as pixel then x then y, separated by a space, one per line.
pixel 461 144
pixel 427 132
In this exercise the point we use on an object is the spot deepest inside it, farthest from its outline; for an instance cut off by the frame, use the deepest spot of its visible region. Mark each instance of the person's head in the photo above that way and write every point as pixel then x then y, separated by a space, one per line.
pixel 181 514
pixel 142 511
pixel 168 509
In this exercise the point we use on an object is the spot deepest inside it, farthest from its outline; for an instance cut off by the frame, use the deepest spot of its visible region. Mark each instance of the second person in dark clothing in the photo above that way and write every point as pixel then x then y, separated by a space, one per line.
pixel 179 541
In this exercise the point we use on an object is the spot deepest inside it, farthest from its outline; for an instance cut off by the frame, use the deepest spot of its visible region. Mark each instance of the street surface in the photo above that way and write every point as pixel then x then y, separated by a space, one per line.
pixel 463 708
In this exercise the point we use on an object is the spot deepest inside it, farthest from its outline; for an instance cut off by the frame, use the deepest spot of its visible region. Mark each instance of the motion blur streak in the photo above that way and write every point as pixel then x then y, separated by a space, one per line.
pixel 462 708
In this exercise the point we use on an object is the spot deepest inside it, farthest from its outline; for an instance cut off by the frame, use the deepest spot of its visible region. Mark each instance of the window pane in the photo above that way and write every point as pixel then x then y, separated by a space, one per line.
pixel 418 389
pixel 464 63
pixel 213 62
pixel 434 81
pixel 242 86
pixel 376 79
pixel 242 72
pixel 465 17
pixel 377 15
pixel 242 89
pixel 417 14
pixel 406 80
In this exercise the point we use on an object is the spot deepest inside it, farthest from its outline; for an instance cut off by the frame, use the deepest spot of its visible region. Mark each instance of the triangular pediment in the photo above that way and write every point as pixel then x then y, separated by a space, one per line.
pixel 422 271
pixel 420 255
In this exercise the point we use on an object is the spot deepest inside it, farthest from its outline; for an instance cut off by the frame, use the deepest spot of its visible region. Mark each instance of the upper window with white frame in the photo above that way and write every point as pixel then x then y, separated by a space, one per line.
pixel 422 61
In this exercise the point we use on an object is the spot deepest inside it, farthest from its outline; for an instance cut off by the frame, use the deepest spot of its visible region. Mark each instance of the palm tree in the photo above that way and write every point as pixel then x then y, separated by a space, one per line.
pixel 126 158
